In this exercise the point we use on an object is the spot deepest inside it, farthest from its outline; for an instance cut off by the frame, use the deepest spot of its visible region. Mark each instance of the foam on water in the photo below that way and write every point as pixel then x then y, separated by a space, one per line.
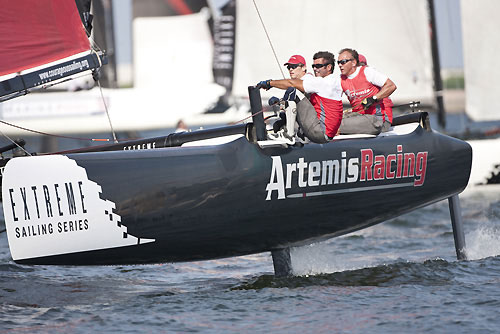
pixel 481 216
pixel 483 242
pixel 318 259
pixel 415 237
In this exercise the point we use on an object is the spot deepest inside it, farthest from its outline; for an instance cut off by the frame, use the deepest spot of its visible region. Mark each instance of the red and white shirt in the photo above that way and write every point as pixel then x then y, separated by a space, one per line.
pixel 326 98
pixel 363 83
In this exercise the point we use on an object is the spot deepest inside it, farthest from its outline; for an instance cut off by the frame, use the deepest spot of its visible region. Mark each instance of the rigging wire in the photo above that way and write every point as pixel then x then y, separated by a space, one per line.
pixel 103 100
pixel 107 113
pixel 268 39
pixel 275 57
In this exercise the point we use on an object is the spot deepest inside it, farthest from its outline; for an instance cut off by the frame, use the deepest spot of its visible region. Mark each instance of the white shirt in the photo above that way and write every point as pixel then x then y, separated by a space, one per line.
pixel 372 75
pixel 328 87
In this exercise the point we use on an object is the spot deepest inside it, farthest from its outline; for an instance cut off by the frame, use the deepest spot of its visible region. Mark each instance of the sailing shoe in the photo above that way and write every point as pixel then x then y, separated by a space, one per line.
pixel 301 137
pixel 282 136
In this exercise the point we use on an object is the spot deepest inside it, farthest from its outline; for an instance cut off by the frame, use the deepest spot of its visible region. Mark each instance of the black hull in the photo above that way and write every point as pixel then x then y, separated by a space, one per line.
pixel 207 202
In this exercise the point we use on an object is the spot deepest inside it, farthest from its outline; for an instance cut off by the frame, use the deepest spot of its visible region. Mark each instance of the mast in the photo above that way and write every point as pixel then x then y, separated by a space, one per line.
pixel 104 36
pixel 438 84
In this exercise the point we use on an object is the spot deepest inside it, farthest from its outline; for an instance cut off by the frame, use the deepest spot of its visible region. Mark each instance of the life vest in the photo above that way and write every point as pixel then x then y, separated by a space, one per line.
pixel 359 88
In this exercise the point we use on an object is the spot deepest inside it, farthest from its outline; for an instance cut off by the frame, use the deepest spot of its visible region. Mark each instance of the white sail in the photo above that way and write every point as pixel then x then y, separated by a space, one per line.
pixel 173 48
pixel 480 28
pixel 392 34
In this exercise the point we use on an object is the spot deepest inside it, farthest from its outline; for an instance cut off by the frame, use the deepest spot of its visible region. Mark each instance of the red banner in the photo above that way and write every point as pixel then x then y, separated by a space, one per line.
pixel 35 32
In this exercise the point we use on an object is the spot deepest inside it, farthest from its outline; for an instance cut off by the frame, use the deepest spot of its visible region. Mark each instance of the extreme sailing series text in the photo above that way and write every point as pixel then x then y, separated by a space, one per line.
pixel 45 209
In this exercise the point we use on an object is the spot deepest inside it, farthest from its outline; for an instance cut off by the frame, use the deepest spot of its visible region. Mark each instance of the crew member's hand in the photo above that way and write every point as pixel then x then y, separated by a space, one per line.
pixel 266 84
pixel 273 100
pixel 368 102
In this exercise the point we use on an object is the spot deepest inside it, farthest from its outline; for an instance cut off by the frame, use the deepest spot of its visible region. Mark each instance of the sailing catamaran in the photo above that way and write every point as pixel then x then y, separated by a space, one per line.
pixel 215 193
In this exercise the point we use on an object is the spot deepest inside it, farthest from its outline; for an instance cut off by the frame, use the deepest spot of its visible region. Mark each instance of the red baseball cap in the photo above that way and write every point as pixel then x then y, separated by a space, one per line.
pixel 362 59
pixel 296 59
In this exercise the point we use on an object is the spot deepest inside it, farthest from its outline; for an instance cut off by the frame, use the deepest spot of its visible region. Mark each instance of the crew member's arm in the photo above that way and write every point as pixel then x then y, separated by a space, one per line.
pixel 286 83
pixel 387 86
pixel 387 89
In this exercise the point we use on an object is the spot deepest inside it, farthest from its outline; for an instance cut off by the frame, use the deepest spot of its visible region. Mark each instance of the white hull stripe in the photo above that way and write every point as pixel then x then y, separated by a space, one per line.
pixel 350 190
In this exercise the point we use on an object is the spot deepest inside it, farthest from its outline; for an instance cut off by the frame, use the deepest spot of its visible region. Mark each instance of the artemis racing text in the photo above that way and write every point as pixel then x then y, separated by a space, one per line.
pixel 364 168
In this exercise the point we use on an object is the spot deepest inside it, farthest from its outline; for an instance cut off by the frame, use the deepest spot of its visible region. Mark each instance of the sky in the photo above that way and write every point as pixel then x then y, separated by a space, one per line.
pixel 449 31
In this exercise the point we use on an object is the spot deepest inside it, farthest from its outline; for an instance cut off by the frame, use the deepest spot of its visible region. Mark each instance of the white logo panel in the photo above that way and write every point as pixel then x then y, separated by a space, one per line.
pixel 51 208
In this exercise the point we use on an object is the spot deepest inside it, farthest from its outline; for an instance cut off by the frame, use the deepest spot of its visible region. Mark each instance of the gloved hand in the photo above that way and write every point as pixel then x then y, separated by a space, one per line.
pixel 273 100
pixel 266 84
pixel 290 94
pixel 368 102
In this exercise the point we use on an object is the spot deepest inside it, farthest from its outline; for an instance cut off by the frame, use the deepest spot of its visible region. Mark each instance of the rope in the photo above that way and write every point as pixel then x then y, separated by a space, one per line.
pixel 49 134
pixel 241 120
pixel 269 39
pixel 94 45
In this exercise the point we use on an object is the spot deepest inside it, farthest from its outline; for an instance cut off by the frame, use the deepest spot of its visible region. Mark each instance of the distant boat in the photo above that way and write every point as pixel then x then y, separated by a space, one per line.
pixel 221 192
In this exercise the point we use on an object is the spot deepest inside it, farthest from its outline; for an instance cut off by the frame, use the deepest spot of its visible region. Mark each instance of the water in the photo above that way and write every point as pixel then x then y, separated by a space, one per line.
pixel 399 276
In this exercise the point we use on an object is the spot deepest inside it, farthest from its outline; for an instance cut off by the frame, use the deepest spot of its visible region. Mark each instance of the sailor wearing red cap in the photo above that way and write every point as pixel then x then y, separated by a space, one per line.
pixel 296 66
pixel 320 117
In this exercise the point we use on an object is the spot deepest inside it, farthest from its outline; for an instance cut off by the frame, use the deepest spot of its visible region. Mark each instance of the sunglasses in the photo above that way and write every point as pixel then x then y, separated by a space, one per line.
pixel 320 65
pixel 344 61
pixel 292 66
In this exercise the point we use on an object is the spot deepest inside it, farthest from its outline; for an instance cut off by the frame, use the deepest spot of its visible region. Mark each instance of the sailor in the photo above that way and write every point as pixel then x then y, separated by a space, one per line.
pixel 320 115
pixel 368 92
pixel 181 126
pixel 296 66
pixel 362 60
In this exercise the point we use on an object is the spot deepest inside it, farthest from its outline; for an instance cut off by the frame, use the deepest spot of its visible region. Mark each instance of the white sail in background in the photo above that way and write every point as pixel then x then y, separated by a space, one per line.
pixel 480 29
pixel 392 34
pixel 172 48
